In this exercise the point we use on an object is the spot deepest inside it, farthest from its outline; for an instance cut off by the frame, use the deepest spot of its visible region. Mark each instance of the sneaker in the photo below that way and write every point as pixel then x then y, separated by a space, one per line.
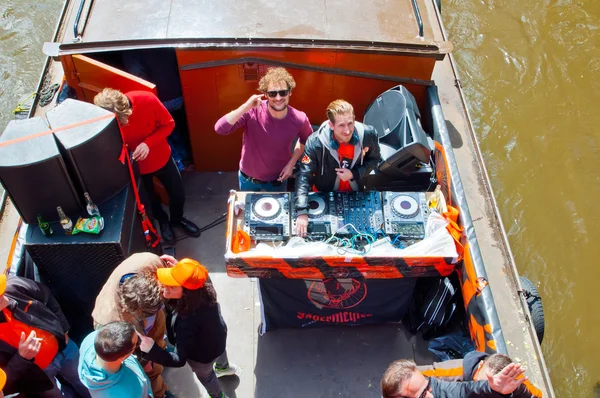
pixel 232 370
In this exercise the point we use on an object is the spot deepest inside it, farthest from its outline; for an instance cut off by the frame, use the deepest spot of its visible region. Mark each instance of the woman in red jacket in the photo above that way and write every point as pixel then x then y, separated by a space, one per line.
pixel 145 124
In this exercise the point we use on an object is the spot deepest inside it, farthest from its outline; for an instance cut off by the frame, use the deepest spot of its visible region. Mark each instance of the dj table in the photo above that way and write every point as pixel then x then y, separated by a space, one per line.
pixel 270 218
pixel 344 289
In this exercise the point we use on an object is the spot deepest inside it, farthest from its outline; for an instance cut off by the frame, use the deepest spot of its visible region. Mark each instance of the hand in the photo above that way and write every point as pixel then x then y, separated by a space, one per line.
pixel 301 225
pixel 30 346
pixel 254 101
pixel 170 260
pixel 141 152
pixel 148 366
pixel 506 381
pixel 344 174
pixel 146 343
pixel 286 173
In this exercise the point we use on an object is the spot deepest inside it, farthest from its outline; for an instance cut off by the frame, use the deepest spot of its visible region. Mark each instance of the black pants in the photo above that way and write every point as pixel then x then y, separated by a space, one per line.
pixel 169 176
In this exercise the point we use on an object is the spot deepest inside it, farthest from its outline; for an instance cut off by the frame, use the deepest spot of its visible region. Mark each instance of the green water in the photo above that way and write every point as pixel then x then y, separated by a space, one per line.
pixel 531 73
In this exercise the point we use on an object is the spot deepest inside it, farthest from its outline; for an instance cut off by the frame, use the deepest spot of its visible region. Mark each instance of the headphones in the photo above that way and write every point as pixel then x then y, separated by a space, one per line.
pixel 336 145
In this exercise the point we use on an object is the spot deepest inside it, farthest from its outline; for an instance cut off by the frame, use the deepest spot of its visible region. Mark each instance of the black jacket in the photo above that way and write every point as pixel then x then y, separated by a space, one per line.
pixel 318 164
pixel 463 389
pixel 22 375
pixel 43 312
pixel 200 336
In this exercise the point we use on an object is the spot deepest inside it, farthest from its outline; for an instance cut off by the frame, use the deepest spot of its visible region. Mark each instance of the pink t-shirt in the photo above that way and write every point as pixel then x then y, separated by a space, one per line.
pixel 267 141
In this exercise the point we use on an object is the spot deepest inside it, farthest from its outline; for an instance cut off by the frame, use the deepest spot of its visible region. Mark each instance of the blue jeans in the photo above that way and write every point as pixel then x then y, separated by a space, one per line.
pixel 247 184
pixel 65 364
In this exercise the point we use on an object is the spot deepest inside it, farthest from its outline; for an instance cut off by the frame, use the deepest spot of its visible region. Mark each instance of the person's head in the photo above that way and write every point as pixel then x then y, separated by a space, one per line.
pixel 115 341
pixel 277 85
pixel 188 283
pixel 3 299
pixel 341 120
pixel 403 380
pixel 140 295
pixel 114 101
pixel 493 365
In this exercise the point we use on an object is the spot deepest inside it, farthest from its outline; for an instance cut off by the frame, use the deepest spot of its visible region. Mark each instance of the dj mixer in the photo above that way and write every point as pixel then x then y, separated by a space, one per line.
pixel 272 216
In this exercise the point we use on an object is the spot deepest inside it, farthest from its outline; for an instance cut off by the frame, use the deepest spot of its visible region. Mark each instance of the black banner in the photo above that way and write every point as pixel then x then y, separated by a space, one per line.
pixel 299 303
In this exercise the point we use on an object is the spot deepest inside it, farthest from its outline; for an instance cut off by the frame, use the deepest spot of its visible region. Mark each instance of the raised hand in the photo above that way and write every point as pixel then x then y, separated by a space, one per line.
pixel 254 101
pixel 169 260
pixel 506 380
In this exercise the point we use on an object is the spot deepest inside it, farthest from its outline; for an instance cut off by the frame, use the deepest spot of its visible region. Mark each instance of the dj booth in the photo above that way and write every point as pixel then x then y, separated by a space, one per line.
pixel 306 287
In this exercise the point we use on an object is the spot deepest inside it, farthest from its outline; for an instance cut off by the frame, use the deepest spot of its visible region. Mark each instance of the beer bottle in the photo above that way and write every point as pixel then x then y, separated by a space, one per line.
pixel 44 226
pixel 65 221
pixel 93 210
pixel 91 207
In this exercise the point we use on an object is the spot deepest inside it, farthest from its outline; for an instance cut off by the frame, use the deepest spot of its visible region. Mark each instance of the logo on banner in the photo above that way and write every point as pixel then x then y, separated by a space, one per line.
pixel 337 293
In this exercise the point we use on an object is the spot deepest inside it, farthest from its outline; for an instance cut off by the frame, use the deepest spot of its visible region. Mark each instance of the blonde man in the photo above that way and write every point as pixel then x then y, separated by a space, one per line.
pixel 270 127
pixel 146 124
pixel 336 158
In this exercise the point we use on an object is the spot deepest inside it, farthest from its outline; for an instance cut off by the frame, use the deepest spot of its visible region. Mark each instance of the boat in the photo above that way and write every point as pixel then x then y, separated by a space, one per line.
pixel 216 52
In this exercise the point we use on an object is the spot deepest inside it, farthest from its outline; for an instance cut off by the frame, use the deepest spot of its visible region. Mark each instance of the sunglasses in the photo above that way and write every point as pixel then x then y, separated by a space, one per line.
pixel 424 393
pixel 282 93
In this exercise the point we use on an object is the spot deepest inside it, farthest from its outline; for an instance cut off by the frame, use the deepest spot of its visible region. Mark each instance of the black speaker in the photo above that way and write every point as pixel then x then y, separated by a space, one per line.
pixel 403 142
pixel 34 173
pixel 91 150
pixel 75 267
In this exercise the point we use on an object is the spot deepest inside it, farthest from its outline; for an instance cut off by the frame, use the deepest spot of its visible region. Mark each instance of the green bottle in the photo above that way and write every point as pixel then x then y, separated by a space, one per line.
pixel 44 226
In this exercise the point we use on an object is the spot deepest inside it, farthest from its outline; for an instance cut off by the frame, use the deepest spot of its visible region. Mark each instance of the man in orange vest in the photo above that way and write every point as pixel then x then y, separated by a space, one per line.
pixel 33 327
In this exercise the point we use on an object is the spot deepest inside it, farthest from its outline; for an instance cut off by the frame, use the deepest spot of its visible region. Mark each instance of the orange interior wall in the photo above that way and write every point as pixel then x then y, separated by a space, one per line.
pixel 212 92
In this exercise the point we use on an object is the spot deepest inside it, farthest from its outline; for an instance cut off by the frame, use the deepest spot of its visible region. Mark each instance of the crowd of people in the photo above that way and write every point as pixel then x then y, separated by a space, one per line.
pixel 148 298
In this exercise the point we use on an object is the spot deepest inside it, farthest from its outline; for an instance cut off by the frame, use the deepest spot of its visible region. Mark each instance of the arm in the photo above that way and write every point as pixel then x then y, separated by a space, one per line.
pixel 173 359
pixel 308 166
pixel 305 132
pixel 371 157
pixel 25 376
pixel 164 124
pixel 230 122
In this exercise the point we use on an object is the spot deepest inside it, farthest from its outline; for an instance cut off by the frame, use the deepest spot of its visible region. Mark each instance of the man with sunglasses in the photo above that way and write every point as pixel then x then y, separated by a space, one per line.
pixel 402 379
pixel 270 128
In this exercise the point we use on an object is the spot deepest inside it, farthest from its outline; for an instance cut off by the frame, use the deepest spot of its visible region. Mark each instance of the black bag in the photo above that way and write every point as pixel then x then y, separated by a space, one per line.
pixel 434 307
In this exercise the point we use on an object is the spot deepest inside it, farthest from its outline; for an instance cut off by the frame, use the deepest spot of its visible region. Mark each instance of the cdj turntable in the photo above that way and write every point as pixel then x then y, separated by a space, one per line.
pixel 267 216
pixel 361 209
pixel 405 214
pixel 321 214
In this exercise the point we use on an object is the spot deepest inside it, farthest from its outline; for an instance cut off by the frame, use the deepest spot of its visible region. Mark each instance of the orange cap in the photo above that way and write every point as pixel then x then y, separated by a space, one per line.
pixel 2 379
pixel 187 273
pixel 2 283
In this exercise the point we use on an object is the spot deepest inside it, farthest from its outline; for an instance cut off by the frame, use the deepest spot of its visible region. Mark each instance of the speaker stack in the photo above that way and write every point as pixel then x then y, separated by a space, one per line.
pixel 55 169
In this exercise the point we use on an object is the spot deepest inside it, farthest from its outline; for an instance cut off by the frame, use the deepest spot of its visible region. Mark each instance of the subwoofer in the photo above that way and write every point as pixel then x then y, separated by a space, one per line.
pixel 34 173
pixel 75 267
pixel 91 150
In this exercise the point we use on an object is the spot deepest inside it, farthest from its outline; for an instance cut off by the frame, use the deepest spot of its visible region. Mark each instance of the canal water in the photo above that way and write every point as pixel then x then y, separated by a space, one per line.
pixel 531 74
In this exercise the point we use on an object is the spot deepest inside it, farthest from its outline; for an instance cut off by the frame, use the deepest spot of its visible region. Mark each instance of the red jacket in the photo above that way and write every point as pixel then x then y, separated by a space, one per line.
pixel 151 123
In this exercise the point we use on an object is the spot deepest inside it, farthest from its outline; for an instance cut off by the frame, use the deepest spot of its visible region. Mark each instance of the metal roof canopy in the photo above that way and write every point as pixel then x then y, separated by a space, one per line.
pixel 376 25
